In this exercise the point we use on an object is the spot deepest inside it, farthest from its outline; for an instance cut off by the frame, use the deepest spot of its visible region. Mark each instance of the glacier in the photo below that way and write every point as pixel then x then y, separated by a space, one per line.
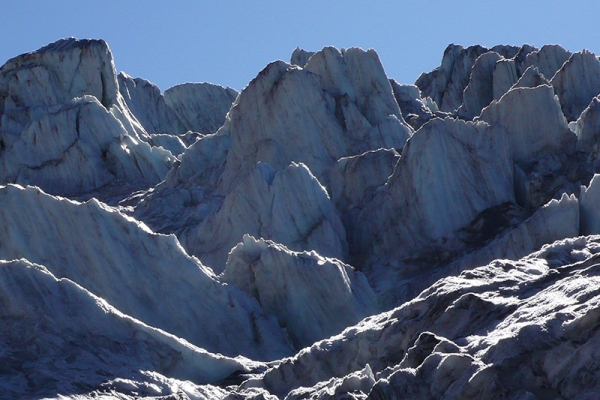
pixel 326 232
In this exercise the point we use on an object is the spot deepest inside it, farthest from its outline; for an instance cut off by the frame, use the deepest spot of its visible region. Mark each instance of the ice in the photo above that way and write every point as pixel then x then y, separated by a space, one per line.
pixel 300 57
pixel 64 123
pixel 280 117
pixel 479 93
pixel 415 110
pixel 590 218
pixel 143 274
pixel 533 120
pixel 200 107
pixel 59 330
pixel 505 76
pixel 263 204
pixel 445 84
pixel 300 239
pixel 313 297
pixel 554 221
pixel 440 161
pixel 146 102
pixel 472 336
pixel 548 59
pixel 586 129
pixel 577 82
pixel 531 78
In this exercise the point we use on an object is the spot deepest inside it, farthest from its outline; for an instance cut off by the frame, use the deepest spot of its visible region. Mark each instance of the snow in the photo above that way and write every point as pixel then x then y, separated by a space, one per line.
pixel 479 93
pixel 577 83
pixel 427 198
pixel 533 120
pixel 263 204
pixel 327 232
pixel 64 122
pixel 128 265
pixel 313 297
pixel 548 59
pixel 81 321
pixel 590 218
pixel 199 107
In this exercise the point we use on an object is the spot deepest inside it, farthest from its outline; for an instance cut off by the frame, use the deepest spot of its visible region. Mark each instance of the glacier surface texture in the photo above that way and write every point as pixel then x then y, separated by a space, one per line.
pixel 325 233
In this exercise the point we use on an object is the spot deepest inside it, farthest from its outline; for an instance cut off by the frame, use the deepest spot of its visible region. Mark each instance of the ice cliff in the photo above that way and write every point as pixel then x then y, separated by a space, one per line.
pixel 327 232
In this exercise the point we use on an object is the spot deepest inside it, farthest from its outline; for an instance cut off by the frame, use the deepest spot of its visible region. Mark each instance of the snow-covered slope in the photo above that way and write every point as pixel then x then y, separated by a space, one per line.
pixel 66 128
pixel 145 275
pixel 426 199
pixel 262 204
pixel 200 107
pixel 526 112
pixel 391 240
pixel 526 329
pixel 57 333
pixel 341 104
pixel 313 297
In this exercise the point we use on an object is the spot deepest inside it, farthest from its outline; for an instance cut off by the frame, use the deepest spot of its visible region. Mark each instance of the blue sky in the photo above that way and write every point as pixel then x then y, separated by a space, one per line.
pixel 229 42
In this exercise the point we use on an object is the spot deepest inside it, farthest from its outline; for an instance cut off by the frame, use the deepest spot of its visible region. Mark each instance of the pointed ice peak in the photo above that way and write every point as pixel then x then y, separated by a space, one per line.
pixel 590 214
pixel 587 126
pixel 59 72
pixel 31 294
pixel 531 78
pixel 505 76
pixel 445 84
pixel 70 43
pixel 76 148
pixel 548 59
pixel 200 107
pixel 480 91
pixel 522 54
pixel 577 83
pixel 283 115
pixel 300 57
pixel 359 75
pixel 415 109
pixel 428 190
pixel 313 297
pixel 506 51
pixel 533 120
pixel 127 265
pixel 146 102
pixel 289 206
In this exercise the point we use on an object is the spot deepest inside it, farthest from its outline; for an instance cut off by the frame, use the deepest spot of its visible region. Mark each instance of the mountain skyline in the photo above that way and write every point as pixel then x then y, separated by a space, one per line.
pixel 229 43
pixel 327 232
